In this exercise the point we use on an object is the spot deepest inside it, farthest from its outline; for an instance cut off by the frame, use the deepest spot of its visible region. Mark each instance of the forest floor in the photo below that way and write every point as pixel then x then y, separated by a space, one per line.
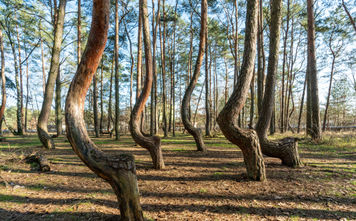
pixel 193 186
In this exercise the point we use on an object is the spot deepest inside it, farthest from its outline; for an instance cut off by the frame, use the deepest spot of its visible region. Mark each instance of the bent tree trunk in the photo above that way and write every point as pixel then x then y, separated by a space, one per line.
pixel 195 132
pixel 247 140
pixel 42 131
pixel 119 170
pixel 285 149
pixel 151 143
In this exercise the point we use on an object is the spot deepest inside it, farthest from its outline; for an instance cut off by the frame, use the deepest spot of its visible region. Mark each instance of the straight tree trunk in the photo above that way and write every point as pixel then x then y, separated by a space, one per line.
pixel 110 119
pixel 43 63
pixel 252 106
pixel 207 88
pixel 20 95
pixel 3 79
pixel 329 91
pixel 195 132
pixel 282 108
pixel 27 91
pixel 117 95
pixel 119 170
pixel 151 143
pixel 95 105
pixel 285 149
pixel 163 55
pixel 301 104
pixel 42 124
pixel 79 32
pixel 260 61
pixel 101 98
pixel 313 78
pixel 247 140
pixel 58 108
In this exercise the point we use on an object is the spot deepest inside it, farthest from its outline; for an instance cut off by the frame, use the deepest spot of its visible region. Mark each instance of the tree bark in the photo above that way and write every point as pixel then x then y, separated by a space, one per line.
pixel 101 126
pixel 79 32
pixel 260 61
pixel 207 88
pixel 43 63
pixel 58 107
pixel 163 59
pixel 117 95
pixel 195 132
pixel 42 131
pixel 313 78
pixel 119 170
pixel 20 122
pixel 95 105
pixel 151 143
pixel 3 79
pixel 349 15
pixel 286 149
pixel 329 91
pixel 247 140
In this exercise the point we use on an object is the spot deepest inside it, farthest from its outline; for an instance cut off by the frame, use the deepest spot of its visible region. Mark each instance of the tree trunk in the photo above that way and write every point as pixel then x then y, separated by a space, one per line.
pixel 79 30
pixel 163 59
pixel 195 132
pixel 207 88
pixel 42 131
pixel 301 104
pixel 95 105
pixel 313 78
pixel 260 61
pixel 329 92
pixel 252 105
pixel 349 15
pixel 151 143
pixel 247 140
pixel 20 95
pixel 286 149
pixel 117 95
pixel 27 91
pixel 58 103
pixel 43 63
pixel 110 99
pixel 3 79
pixel 119 170
pixel 101 99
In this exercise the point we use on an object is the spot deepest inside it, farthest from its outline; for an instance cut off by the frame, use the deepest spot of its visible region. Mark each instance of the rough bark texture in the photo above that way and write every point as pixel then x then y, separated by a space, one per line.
pixel 95 105
pixel 79 32
pixel 3 79
pixel 38 162
pixel 119 170
pixel 151 143
pixel 163 54
pixel 247 140
pixel 286 149
pixel 58 107
pixel 117 95
pixel 195 132
pixel 42 131
pixel 313 78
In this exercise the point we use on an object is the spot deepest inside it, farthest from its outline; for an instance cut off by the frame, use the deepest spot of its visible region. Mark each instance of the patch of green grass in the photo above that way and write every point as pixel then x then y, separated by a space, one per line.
pixel 218 174
pixel 6 198
pixel 4 167
pixel 202 190
pixel 180 150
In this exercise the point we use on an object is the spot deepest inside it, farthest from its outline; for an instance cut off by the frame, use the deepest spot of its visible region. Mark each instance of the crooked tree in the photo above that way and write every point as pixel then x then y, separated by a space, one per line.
pixel 245 139
pixel 118 170
pixel 285 149
pixel 151 143
pixel 3 79
pixel 42 131
pixel 195 132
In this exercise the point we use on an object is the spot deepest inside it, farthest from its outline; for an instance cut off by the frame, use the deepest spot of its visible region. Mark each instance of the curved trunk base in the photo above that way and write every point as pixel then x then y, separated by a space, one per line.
pixel 45 138
pixel 156 155
pixel 124 184
pixel 285 149
pixel 198 137
pixel 253 158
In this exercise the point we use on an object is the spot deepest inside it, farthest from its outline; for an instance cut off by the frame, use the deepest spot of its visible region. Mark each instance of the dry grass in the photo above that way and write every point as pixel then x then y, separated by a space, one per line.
pixel 194 186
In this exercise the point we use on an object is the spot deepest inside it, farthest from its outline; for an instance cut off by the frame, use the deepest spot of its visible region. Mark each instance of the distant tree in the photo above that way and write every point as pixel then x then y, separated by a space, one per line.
pixel 118 170
pixel 285 149
pixel 195 132
pixel 314 130
pixel 42 124
pixel 151 143
pixel 3 79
